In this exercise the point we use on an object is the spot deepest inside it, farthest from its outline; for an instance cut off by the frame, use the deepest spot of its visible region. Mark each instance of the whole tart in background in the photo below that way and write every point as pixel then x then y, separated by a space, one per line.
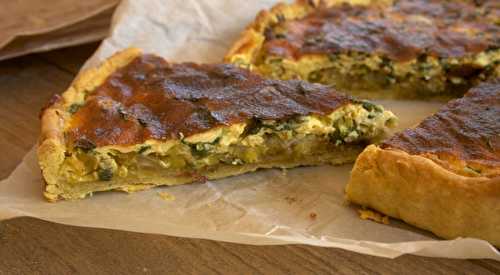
pixel 378 48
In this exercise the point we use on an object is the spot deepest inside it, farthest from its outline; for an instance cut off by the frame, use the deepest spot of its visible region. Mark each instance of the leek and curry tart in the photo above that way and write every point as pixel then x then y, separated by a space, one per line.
pixel 138 121
pixel 432 49
pixel 444 174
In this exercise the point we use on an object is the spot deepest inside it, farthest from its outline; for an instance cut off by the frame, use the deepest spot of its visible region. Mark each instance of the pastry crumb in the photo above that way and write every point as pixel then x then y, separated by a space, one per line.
pixel 284 171
pixel 366 214
pixel 135 188
pixel 200 179
pixel 166 196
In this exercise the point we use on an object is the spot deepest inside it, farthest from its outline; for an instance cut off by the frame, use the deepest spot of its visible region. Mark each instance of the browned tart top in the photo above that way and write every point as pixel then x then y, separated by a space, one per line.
pixel 400 32
pixel 152 99
pixel 466 129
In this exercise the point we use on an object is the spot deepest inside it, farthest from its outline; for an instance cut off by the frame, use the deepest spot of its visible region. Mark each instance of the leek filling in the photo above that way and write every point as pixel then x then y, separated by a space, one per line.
pixel 363 74
pixel 254 142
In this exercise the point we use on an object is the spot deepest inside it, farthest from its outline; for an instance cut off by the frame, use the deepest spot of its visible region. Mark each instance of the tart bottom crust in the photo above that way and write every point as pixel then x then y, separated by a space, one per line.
pixel 420 192
pixel 81 190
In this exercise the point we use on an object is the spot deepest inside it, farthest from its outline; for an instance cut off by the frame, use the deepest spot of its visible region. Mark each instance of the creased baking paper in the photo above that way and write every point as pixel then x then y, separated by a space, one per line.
pixel 303 205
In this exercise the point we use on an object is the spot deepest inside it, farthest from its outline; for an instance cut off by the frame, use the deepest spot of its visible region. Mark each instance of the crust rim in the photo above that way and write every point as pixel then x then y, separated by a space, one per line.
pixel 51 144
pixel 420 192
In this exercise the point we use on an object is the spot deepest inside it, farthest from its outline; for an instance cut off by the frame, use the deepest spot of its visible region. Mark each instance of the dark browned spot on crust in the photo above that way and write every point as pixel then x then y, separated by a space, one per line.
pixel 152 99
pixel 467 128
pixel 401 32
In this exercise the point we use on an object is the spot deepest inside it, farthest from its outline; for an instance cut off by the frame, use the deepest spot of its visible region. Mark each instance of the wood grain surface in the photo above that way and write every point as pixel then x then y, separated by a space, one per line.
pixel 32 246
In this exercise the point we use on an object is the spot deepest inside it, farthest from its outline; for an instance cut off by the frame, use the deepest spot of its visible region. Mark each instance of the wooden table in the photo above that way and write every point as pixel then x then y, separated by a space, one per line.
pixel 32 246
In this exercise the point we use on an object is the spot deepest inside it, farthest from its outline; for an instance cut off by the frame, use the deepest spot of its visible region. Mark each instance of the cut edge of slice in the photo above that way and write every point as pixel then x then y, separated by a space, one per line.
pixel 222 152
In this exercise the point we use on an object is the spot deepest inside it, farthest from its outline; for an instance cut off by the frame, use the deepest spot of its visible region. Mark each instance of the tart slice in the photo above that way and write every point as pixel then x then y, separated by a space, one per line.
pixel 137 121
pixel 377 48
pixel 443 175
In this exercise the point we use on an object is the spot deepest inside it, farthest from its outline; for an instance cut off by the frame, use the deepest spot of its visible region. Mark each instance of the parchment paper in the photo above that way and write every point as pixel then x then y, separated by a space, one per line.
pixel 302 205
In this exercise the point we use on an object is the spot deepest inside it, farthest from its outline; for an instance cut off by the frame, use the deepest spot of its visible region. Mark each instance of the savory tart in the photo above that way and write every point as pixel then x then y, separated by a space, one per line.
pixel 377 48
pixel 443 175
pixel 138 121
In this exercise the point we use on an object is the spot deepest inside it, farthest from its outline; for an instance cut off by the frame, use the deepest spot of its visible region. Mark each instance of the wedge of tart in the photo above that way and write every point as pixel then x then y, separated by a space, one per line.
pixel 137 121
pixel 430 49
pixel 443 175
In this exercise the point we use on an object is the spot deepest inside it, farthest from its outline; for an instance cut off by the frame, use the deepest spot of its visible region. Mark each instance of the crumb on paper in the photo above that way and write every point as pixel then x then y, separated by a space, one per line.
pixel 166 196
pixel 313 215
pixel 290 199
pixel 284 171
pixel 200 179
pixel 135 188
pixel 366 214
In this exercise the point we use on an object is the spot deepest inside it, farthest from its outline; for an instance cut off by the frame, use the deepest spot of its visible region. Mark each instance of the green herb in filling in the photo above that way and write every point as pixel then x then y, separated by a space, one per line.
pixel 73 108
pixel 105 174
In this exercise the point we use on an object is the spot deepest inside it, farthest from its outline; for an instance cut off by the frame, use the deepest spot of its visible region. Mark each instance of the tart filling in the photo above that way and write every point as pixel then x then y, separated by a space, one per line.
pixel 255 142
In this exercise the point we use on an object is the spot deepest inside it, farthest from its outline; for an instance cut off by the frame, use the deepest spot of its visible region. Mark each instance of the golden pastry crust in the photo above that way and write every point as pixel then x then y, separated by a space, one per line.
pixel 51 145
pixel 422 193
